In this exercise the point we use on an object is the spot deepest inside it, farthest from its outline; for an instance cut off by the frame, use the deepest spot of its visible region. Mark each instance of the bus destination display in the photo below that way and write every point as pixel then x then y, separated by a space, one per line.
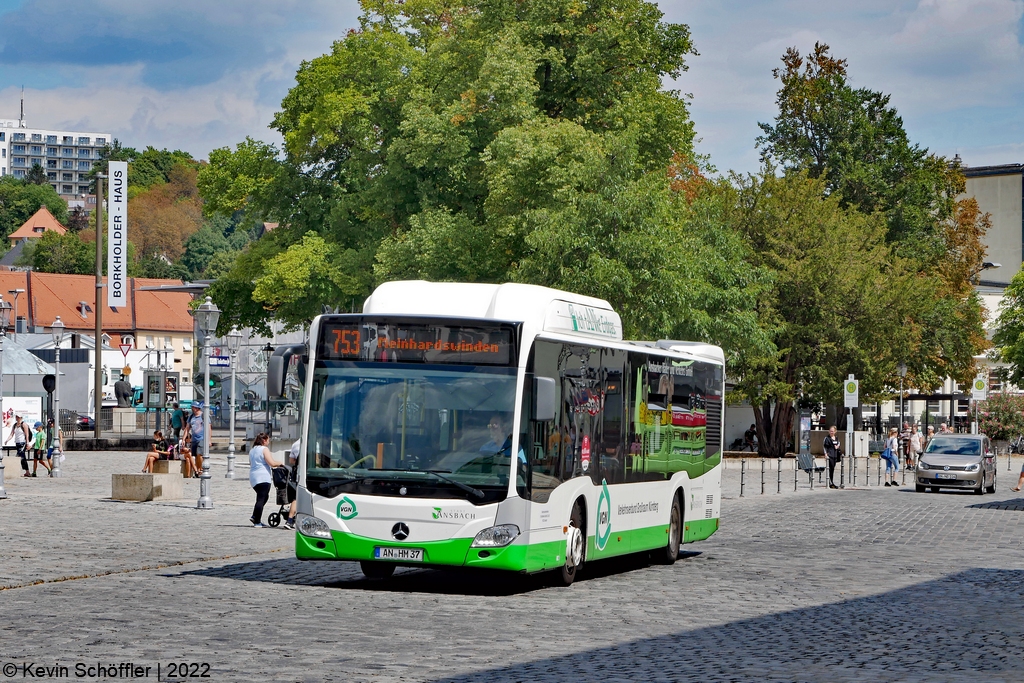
pixel 415 343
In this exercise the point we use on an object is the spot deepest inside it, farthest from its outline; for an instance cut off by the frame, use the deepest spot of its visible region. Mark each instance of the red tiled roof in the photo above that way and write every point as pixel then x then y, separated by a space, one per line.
pixel 50 294
pixel 41 221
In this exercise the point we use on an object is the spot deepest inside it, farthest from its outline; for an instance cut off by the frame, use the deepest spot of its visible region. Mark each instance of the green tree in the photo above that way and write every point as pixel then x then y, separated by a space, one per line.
pixel 855 142
pixel 56 253
pixel 1002 416
pixel 401 150
pixel 1009 335
pixel 19 200
pixel 36 175
pixel 838 296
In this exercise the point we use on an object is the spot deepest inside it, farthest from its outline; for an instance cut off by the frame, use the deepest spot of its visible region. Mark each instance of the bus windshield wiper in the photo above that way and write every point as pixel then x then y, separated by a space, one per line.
pixel 332 483
pixel 465 487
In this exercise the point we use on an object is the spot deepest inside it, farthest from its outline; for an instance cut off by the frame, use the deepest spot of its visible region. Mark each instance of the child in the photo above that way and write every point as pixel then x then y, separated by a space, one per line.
pixel 39 450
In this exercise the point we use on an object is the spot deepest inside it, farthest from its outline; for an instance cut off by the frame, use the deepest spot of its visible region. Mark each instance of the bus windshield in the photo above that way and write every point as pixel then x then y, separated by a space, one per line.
pixel 410 429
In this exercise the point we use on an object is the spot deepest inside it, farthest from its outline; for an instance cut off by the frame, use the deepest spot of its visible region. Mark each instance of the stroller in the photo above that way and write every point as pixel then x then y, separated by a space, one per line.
pixel 281 478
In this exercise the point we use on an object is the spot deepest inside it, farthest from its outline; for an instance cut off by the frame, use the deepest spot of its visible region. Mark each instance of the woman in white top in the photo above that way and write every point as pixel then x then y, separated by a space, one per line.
pixel 892 464
pixel 914 448
pixel 260 475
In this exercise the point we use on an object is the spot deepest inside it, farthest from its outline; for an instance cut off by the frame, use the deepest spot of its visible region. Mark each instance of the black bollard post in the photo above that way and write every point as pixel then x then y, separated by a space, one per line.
pixel 780 477
pixel 743 474
pixel 762 476
pixel 796 471
pixel 842 473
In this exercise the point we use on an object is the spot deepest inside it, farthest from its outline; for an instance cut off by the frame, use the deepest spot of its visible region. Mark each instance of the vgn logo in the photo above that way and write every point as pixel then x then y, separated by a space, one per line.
pixel 346 509
pixel 604 517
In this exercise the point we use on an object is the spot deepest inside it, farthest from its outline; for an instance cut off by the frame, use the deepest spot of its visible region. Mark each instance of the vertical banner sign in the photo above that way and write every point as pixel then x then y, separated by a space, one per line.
pixel 117 235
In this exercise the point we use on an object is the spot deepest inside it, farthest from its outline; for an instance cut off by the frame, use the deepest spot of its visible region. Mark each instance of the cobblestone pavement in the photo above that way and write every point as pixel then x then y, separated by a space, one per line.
pixel 866 584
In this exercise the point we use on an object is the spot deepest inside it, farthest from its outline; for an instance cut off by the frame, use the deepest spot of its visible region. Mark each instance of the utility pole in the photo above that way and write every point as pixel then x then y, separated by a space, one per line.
pixel 98 375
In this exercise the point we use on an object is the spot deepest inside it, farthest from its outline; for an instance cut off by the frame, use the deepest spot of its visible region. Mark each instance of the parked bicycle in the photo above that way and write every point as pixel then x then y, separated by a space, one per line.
pixel 1017 445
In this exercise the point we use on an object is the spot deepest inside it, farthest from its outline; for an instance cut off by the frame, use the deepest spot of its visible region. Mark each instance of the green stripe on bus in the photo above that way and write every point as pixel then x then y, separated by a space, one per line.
pixel 699 529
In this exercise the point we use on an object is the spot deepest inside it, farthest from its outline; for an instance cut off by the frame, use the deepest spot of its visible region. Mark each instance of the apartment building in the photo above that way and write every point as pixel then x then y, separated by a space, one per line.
pixel 66 155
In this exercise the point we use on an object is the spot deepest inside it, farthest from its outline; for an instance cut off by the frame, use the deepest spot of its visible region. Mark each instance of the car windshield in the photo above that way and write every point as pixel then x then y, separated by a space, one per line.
pixel 448 427
pixel 945 445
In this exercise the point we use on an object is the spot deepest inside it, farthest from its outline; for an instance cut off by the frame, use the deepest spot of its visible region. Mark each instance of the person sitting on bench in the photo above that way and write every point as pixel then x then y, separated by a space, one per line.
pixel 157 449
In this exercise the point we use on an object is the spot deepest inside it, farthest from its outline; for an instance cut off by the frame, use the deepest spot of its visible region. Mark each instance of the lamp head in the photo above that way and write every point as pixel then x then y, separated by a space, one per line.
pixel 57 331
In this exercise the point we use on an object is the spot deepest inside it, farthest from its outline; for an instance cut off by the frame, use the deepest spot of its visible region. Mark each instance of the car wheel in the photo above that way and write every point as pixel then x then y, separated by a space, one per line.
pixel 919 488
pixel 992 488
pixel 980 491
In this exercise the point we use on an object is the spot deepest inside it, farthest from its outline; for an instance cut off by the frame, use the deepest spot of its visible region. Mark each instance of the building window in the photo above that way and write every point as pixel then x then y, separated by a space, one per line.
pixel 18 149
pixel 101 141
pixel 37 162
pixel 4 151
pixel 51 151
pixel 67 176
pixel 68 189
pixel 19 161
pixel 68 140
pixel 83 189
pixel 51 163
pixel 18 173
pixel 84 165
pixel 51 176
pixel 3 136
pixel 67 152
pixel 67 164
pixel 51 139
pixel 36 149
pixel 84 153
pixel 83 141
pixel 18 137
pixel 37 137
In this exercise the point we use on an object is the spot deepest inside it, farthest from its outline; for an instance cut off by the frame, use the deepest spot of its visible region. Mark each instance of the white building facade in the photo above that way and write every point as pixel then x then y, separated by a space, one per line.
pixel 66 155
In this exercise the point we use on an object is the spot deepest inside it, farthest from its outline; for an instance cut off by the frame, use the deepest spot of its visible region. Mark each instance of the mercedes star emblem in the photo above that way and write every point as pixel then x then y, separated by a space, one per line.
pixel 402 491
pixel 400 531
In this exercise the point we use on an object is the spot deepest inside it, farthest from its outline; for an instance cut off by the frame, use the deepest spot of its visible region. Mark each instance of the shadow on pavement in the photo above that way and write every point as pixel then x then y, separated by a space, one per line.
pixel 964 627
pixel 1012 504
pixel 447 581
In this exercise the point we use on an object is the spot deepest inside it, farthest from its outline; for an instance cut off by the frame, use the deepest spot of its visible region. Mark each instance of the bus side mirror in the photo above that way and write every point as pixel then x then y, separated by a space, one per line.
pixel 275 376
pixel 543 399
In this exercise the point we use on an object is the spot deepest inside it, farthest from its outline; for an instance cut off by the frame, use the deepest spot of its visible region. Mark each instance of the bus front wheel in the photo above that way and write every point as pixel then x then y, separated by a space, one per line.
pixel 575 543
pixel 377 570
pixel 670 552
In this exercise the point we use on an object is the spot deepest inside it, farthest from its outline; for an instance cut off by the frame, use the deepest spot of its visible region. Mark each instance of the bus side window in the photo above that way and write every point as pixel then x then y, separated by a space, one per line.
pixel 543 443
pixel 613 446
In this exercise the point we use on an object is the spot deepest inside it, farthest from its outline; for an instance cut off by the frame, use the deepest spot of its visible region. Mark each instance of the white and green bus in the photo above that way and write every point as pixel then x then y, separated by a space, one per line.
pixel 502 426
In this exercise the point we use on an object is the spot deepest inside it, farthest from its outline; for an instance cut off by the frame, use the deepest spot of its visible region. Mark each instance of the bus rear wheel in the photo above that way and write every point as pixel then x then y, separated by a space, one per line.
pixel 377 570
pixel 575 543
pixel 670 552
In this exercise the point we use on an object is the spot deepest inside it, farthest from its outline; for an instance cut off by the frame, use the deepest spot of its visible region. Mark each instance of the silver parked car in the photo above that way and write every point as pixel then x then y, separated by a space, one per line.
pixel 957 461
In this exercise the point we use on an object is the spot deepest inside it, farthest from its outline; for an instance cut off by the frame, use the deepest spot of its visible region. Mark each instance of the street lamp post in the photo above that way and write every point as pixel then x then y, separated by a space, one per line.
pixel 268 351
pixel 5 316
pixel 207 316
pixel 57 331
pixel 234 343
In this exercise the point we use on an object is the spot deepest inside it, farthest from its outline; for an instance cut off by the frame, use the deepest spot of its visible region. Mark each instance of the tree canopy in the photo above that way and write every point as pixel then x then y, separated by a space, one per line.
pixel 481 141
pixel 20 199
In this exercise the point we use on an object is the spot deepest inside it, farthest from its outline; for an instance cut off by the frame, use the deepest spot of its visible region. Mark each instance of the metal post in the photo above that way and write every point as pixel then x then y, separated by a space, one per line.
pixel 853 471
pixel 230 474
pixel 98 370
pixel 879 471
pixel 1009 456
pixel 796 470
pixel 743 475
pixel 205 502
pixel 3 491
pixel 55 462
pixel 762 475
pixel 842 472
pixel 779 477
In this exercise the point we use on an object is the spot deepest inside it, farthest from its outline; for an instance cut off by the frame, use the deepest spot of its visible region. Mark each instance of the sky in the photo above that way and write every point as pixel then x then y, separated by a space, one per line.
pixel 200 75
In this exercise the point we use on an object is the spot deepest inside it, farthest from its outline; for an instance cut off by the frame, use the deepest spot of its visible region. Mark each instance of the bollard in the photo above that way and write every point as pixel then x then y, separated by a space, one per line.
pixel 762 476
pixel 853 471
pixel 879 470
pixel 780 476
pixel 842 473
pixel 796 471
pixel 3 491
pixel 1009 457
pixel 743 474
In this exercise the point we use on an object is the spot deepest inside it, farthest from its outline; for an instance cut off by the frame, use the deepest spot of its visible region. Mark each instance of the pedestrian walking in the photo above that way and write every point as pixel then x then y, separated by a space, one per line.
pixel 177 421
pixel 927 438
pixel 39 450
pixel 293 483
pixel 914 448
pixel 21 435
pixel 833 451
pixel 194 429
pixel 892 458
pixel 261 477
pixel 55 444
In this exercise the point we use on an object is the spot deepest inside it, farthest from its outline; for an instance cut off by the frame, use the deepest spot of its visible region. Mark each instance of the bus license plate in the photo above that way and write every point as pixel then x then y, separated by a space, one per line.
pixel 400 554
pixel 945 476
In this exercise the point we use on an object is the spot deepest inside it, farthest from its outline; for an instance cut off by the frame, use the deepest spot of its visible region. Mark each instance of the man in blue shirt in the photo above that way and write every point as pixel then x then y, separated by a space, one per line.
pixel 194 430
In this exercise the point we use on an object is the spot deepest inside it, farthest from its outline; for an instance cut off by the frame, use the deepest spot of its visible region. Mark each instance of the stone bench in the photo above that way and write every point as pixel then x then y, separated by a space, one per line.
pixel 169 467
pixel 143 486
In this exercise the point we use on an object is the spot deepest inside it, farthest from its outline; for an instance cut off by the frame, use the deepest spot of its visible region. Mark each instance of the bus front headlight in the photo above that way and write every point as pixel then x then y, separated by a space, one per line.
pixel 312 526
pixel 496 536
